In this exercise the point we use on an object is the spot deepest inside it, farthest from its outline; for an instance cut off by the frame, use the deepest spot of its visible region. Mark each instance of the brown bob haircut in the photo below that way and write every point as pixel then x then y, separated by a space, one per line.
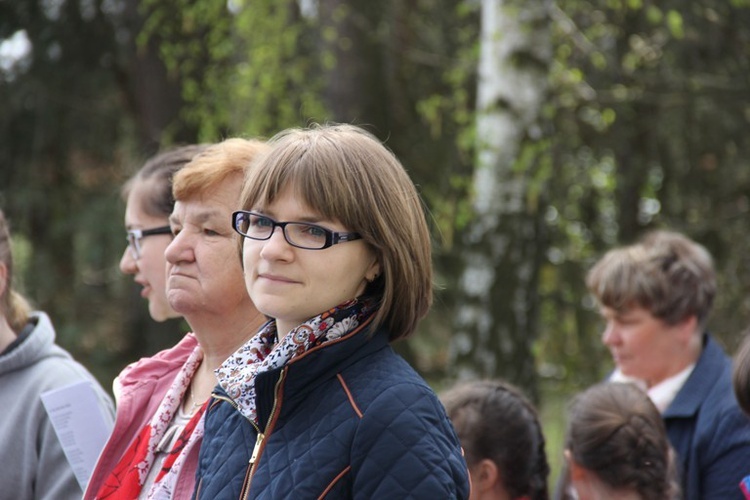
pixel 347 175
pixel 665 272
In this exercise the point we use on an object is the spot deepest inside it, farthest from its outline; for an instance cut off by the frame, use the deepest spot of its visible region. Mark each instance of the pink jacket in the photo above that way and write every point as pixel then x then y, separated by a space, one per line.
pixel 143 386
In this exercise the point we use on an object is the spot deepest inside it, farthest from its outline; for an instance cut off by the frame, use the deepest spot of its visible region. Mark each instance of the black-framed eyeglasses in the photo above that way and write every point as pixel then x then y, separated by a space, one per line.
pixel 135 235
pixel 298 234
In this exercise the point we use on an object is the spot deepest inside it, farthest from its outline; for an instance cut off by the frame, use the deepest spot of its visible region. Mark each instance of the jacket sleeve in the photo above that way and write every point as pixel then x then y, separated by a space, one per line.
pixel 727 457
pixel 405 447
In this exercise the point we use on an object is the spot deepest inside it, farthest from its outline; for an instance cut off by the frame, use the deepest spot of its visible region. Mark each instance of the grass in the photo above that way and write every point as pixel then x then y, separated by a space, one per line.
pixel 553 415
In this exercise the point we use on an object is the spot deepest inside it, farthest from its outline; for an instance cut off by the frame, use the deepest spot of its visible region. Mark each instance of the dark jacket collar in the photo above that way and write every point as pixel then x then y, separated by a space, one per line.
pixel 705 375
pixel 315 368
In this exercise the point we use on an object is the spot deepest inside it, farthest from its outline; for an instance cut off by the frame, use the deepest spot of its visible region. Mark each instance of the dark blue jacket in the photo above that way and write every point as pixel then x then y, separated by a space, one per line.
pixel 347 419
pixel 708 430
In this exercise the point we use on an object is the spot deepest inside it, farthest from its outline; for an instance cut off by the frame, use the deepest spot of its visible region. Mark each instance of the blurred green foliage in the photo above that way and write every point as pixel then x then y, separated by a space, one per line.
pixel 646 125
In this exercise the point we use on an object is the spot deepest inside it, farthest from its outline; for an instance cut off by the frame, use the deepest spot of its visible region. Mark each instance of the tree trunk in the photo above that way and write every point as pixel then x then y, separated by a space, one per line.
pixel 153 96
pixel 354 85
pixel 496 323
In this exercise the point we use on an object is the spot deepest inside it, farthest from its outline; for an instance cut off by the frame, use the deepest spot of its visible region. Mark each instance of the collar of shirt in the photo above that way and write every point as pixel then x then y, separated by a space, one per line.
pixel 663 393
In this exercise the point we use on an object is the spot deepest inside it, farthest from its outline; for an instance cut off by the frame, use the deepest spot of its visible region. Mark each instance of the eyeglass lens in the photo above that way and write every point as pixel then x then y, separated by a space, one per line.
pixel 296 233
pixel 134 246
pixel 135 235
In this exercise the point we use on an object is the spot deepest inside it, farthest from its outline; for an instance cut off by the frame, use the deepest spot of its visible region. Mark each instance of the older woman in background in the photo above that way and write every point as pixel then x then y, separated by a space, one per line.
pixel 163 397
pixel 655 296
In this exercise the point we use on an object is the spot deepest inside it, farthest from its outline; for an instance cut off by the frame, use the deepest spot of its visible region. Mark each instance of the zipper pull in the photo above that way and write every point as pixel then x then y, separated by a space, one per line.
pixel 256 448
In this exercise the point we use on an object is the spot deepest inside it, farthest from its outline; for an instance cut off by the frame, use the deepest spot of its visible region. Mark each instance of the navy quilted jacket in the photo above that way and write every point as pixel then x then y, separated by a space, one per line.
pixel 348 419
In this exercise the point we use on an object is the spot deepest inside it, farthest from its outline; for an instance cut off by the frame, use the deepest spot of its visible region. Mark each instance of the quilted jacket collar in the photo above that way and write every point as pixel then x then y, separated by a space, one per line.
pixel 305 373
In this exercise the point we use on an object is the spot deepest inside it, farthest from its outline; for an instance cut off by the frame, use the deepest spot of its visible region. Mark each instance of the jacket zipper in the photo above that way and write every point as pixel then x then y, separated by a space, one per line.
pixel 198 488
pixel 258 441
pixel 257 449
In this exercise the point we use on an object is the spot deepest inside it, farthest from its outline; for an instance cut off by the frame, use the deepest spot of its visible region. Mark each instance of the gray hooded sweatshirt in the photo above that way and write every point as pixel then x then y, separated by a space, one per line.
pixel 32 462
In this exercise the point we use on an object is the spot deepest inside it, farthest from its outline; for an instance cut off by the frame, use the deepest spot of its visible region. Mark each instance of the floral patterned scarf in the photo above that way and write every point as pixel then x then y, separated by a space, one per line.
pixel 237 374
pixel 126 480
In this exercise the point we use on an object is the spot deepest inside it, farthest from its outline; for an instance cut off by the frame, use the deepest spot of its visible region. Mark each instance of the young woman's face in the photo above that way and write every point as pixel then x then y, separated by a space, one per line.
pixel 149 270
pixel 293 284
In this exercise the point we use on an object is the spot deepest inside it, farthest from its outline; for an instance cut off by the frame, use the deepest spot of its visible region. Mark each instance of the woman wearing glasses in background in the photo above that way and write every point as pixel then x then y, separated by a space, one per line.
pixel 153 450
pixel 336 251
pixel 149 203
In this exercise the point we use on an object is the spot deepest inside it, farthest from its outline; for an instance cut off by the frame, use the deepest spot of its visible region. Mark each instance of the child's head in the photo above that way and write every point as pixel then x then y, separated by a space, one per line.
pixel 617 443
pixel 502 439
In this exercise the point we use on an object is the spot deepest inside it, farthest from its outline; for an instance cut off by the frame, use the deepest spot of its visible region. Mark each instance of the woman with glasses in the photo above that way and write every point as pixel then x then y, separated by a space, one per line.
pixel 149 202
pixel 336 252
pixel 153 450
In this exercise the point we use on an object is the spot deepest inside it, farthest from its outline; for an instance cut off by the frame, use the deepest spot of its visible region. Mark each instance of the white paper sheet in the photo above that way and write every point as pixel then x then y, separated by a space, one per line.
pixel 79 425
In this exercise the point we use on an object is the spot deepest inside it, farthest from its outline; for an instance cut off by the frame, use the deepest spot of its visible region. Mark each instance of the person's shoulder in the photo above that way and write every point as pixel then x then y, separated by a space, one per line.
pixel 55 370
pixel 713 353
pixel 719 412
pixel 387 369
pixel 178 353
pixel 161 363
pixel 716 370
pixel 387 379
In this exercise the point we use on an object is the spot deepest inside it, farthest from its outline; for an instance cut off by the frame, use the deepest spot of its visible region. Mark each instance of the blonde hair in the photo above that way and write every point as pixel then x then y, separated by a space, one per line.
pixel 218 162
pixel 666 273
pixel 346 174
pixel 14 306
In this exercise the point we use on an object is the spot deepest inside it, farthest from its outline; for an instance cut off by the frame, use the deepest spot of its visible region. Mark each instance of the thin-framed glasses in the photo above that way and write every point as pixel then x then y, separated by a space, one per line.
pixel 298 234
pixel 135 235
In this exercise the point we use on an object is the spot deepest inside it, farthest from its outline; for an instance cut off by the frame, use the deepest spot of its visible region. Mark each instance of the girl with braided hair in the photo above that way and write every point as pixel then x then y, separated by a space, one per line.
pixel 617 447
pixel 502 439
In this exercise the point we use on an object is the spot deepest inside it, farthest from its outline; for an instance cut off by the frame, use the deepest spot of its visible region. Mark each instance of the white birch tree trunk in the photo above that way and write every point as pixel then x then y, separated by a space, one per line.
pixel 495 319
